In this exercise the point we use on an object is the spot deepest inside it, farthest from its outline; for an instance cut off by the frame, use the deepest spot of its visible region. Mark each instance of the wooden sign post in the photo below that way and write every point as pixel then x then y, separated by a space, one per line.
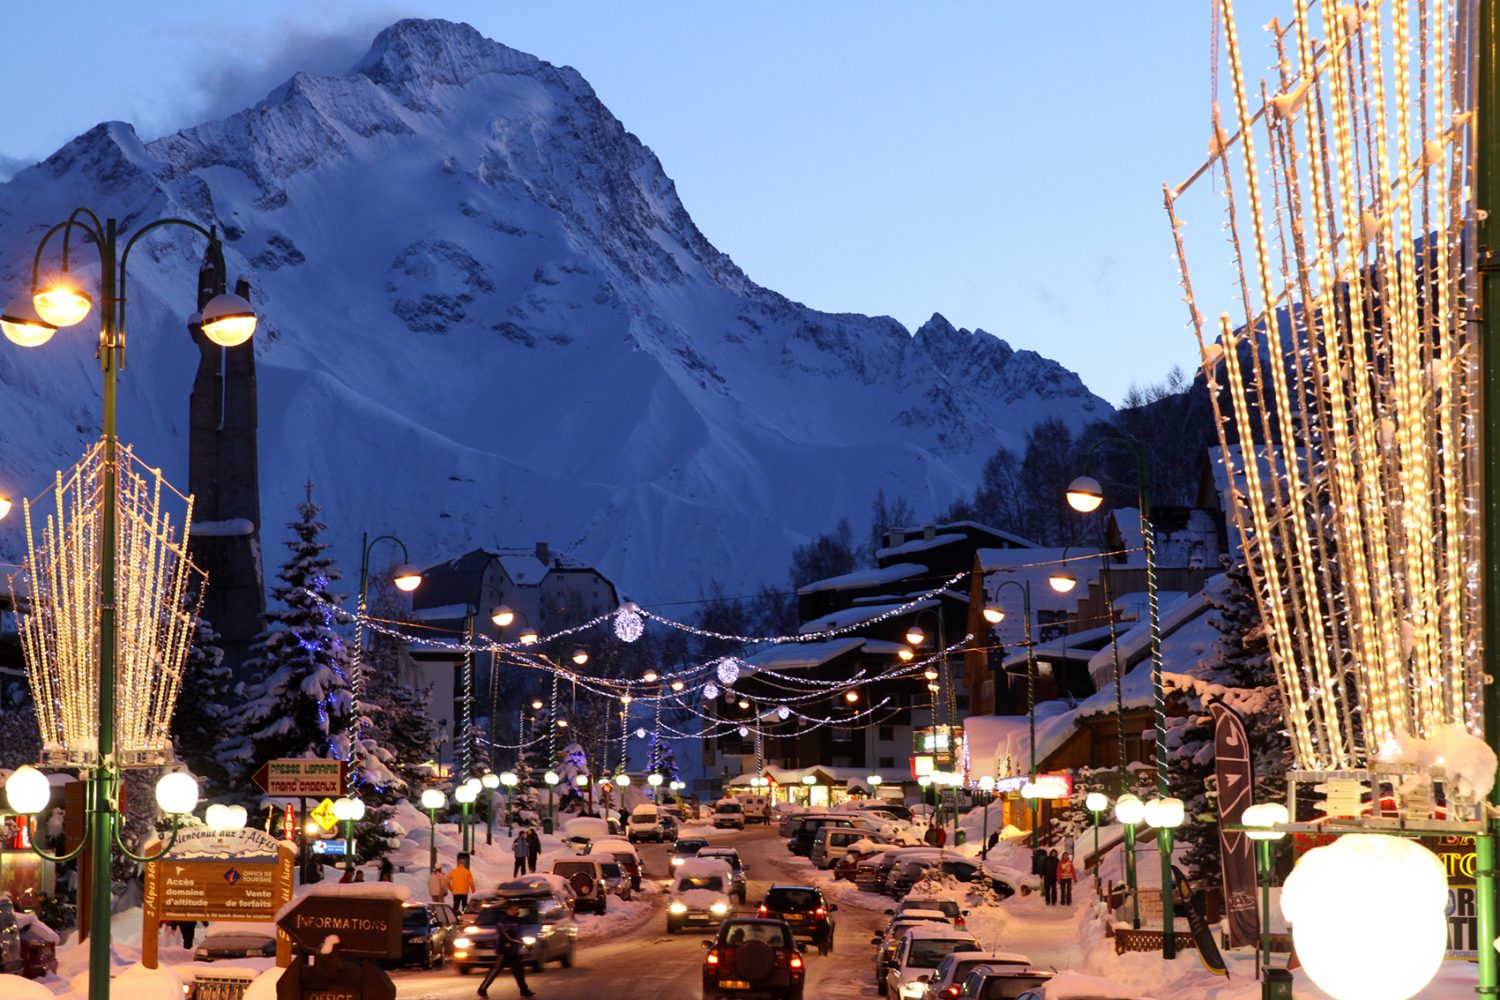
pixel 354 930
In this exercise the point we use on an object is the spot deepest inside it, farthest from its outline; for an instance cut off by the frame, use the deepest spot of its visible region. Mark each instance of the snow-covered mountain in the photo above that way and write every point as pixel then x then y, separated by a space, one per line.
pixel 487 319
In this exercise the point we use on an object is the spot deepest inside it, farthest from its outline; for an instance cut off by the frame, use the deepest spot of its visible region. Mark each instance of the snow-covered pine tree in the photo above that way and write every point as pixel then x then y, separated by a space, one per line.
pixel 20 737
pixel 396 713
pixel 204 703
pixel 523 800
pixel 298 700
pixel 661 759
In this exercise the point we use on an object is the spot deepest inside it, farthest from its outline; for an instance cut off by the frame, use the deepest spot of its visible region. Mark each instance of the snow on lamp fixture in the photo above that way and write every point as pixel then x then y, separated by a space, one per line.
pixel 915 636
pixel 1063 583
pixel 629 625
pixel 1085 494
pixel 502 615
pixel 228 320
pixel 1368 894
pixel 23 326
pixel 27 791
pixel 406 577
pixel 63 302
pixel 994 615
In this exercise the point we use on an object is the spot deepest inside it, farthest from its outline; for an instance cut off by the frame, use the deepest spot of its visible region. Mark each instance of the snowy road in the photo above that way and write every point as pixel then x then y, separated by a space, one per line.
pixel 643 962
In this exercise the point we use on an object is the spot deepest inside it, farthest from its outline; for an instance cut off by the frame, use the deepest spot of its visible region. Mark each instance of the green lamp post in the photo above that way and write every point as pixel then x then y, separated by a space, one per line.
pixel 348 810
pixel 1096 803
pixel 432 800
pixel 1263 820
pixel 1129 812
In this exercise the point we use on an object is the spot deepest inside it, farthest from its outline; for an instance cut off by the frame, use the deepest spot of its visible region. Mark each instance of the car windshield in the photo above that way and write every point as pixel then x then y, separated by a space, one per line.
pixel 1007 987
pixel 713 883
pixel 737 934
pixel 795 900
pixel 730 807
pixel 492 915
pixel 689 846
pixel 948 906
pixel 732 859
pixel 611 870
pixel 926 954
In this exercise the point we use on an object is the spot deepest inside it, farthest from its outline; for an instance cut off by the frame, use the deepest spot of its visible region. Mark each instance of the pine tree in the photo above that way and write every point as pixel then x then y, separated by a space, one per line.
pixel 298 703
pixel 397 714
pixel 202 709
pixel 523 802
pixel 20 736
pixel 661 760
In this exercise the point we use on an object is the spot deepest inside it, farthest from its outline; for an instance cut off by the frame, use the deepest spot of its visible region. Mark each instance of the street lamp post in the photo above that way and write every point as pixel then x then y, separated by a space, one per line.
pixel 508 779
pixel 1130 810
pixel 1166 814
pixel 432 800
pixel 348 810
pixel 30 321
pixel 551 778
pixel 1085 495
pixel 464 795
pixel 1096 803
pixel 1264 819
pixel 995 615
pixel 501 616
pixel 987 786
pixel 407 578
pixel 491 781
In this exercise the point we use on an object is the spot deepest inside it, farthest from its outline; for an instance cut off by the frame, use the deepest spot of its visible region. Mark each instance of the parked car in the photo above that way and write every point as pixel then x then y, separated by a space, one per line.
pixel 1074 987
pixel 948 907
pixel 645 824
pixel 236 939
pixel 728 814
pixel 752 956
pixel 887 942
pixel 425 930
pixel 830 844
pixel 918 953
pixel 874 872
pixel 699 893
pixel 625 855
pixel 805 912
pixel 1011 982
pixel 802 840
pixel 10 937
pixel 847 867
pixel 580 831
pixel 947 979
pixel 789 816
pixel 590 880
pixel 757 808
pixel 669 827
pixel 687 847
pixel 906 874
pixel 548 930
pixel 737 886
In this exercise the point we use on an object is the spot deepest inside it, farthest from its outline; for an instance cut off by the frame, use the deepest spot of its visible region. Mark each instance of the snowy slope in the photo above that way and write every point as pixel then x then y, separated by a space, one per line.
pixel 488 320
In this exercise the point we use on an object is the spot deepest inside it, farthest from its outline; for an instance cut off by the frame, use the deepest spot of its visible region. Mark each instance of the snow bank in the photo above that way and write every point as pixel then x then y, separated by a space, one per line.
pixel 16 988
pixel 264 987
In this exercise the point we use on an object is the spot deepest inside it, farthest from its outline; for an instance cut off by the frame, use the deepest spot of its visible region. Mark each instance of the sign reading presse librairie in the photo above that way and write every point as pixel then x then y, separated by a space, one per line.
pixel 216 875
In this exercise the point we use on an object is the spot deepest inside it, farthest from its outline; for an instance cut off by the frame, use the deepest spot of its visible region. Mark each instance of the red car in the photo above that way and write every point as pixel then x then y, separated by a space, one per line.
pixel 753 957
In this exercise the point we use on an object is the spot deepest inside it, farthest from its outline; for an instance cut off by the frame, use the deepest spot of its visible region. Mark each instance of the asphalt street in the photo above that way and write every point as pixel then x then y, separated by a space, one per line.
pixel 643 962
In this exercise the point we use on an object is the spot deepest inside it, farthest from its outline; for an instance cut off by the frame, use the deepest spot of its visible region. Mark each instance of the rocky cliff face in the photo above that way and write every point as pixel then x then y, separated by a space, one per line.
pixel 488 319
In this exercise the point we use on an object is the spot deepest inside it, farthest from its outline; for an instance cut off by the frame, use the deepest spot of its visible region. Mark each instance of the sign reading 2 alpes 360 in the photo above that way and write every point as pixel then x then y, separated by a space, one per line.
pixel 302 777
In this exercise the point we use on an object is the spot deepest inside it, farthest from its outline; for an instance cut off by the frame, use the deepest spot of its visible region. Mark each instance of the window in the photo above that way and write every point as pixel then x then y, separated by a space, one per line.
pixel 886 734
pixel 886 762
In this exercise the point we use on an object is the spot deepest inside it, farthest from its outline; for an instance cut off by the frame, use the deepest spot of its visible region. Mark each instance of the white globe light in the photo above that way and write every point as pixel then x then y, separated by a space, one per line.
pixel 228 320
pixel 728 670
pixel 27 790
pixel 1368 894
pixel 490 780
pixel 343 809
pixel 508 779
pixel 876 780
pixel 629 625
pixel 463 794
pixel 743 731
pixel 654 780
pixel 987 783
pixel 214 816
pixel 623 780
pixel 710 690
pixel 1266 815
pixel 581 780
pixel 177 793
pixel 783 713
pixel 1084 494
pixel 1129 809
pixel 1165 813
pixel 433 798
pixel 808 779
pixel 235 817
pixel 924 780
pixel 640 733
pixel 1063 583
pixel 1096 802
pixel 23 326
pixel 474 783
pixel 551 778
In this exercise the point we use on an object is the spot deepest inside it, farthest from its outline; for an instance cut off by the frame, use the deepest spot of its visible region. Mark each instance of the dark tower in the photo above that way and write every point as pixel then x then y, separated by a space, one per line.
pixel 224 478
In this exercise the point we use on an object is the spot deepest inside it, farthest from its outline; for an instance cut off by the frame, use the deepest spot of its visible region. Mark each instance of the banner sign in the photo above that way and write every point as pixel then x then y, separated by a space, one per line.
pixel 302 777
pixel 1208 948
pixel 1236 783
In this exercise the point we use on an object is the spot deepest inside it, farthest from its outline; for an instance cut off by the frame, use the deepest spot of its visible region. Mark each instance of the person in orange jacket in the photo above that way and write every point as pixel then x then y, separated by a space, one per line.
pixel 1065 874
pixel 461 883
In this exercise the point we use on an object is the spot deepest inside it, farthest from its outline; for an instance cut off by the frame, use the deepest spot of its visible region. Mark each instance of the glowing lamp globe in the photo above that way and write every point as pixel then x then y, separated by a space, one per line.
pixel 1096 802
pixel 490 780
pixel 915 636
pixel 743 731
pixel 994 615
pixel 433 798
pixel 23 326
pixel 406 577
pixel 463 795
pixel 1085 494
pixel 654 780
pixel 1165 813
pixel 1063 583
pixel 809 780
pixel 851 696
pixel 228 320
pixel 987 784
pixel 743 705
pixel 551 778
pixel 501 615
pixel 536 704
pixel 678 685
pixel 529 637
pixel 1030 790
pixel 235 817
pixel 1129 809
pixel 177 793
pixel 581 780
pixel 640 733
pixel 580 656
pixel 623 780
pixel 676 786
pixel 1266 815
pixel 562 723
pixel 875 780
pixel 213 816
pixel 4 507
pixel 906 654
pixel 650 676
pixel 1368 894
pixel 924 781
pixel 346 809
pixel 930 674
pixel 63 302
pixel 508 779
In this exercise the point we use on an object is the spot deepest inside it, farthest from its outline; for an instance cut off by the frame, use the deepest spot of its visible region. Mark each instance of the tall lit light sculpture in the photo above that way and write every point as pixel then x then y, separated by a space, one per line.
pixel 105 651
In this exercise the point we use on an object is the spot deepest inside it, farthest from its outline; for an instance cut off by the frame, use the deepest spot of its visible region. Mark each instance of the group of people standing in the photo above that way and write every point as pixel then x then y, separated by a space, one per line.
pixel 526 848
pixel 1057 878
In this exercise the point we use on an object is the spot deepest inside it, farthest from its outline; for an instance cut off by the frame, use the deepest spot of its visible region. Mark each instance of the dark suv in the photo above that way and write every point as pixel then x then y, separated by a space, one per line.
pixel 753 957
pixel 425 930
pixel 805 912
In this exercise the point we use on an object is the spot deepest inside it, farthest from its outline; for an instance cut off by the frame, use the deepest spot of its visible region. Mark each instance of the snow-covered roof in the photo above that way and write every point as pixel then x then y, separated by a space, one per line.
pixel 801 655
pixel 864 578
pixel 864 612
pixel 1194 544
pixel 1080 646
pixel 920 545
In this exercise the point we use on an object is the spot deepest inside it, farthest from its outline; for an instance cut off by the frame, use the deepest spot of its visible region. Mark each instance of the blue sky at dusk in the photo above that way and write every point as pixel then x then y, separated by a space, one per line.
pixel 999 163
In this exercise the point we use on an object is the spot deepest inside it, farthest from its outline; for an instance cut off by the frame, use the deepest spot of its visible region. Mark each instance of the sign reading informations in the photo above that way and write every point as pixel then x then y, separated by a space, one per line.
pixel 365 926
pixel 302 777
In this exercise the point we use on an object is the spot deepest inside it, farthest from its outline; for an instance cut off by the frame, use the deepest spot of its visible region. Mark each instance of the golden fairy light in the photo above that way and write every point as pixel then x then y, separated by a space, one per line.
pixel 155 614
pixel 1345 393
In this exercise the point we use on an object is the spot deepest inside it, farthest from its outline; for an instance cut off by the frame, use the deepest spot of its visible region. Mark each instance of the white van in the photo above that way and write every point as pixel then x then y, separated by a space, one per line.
pixel 729 813
pixel 645 824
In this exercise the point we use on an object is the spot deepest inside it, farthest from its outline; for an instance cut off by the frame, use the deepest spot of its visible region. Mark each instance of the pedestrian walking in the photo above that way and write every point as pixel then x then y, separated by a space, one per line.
pixel 1049 877
pixel 1065 876
pixel 387 870
pixel 520 848
pixel 534 848
pixel 942 836
pixel 509 952
pixel 461 883
pixel 187 928
pixel 437 884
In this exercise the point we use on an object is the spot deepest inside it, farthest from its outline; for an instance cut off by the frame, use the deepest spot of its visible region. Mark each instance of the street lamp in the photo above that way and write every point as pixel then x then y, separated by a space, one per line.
pixel 1084 495
pixel 348 810
pixel 1130 811
pixel 508 779
pixel 4 507
pixel 465 795
pixel 432 800
pixel 227 320
pixel 1264 818
pixel 407 578
pixel 1096 803
pixel 996 615
pixel 551 778
pixel 987 786
pixel 1166 814
pixel 491 781
pixel 501 616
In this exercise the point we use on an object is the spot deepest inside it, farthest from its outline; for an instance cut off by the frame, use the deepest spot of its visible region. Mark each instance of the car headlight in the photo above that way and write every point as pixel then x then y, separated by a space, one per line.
pixel 471 929
pixel 719 909
pixel 462 943
pixel 677 908
pixel 912 990
pixel 528 940
pixel 676 862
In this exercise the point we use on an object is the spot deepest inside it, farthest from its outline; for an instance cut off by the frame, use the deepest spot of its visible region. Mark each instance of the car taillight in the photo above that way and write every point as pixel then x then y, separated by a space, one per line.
pixel 712 958
pixel 796 961
pixel 763 911
pixel 820 912
pixel 958 921
pixel 953 991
